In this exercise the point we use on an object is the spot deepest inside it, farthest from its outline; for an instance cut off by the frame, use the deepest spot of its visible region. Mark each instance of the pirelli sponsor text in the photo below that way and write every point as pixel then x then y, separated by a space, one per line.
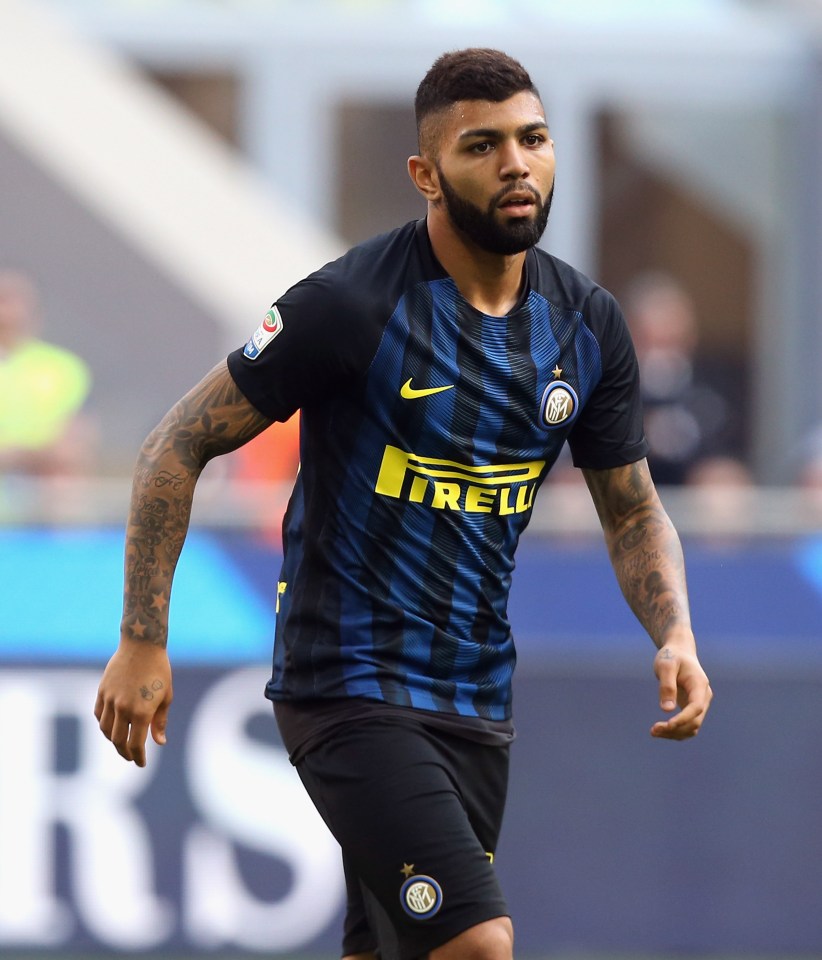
pixel 501 488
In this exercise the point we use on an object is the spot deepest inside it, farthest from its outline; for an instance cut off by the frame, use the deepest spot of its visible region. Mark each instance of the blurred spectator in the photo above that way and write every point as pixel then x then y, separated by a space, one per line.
pixel 808 477
pixel 687 418
pixel 720 472
pixel 724 495
pixel 809 470
pixel 42 390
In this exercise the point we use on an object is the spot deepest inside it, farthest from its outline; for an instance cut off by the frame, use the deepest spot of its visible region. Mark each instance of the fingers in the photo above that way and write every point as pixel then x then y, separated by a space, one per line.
pixel 127 734
pixel 158 724
pixel 135 746
pixel 683 681
pixel 128 727
pixel 104 717
pixel 667 672
pixel 683 726
pixel 134 697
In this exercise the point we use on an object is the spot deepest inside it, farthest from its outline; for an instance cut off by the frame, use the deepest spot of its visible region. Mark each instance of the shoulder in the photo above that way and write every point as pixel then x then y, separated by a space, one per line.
pixel 568 288
pixel 368 274
pixel 344 306
pixel 325 330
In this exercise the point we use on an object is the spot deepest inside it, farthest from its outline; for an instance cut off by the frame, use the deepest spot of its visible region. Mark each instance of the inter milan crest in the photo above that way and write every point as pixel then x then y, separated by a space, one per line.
pixel 559 404
pixel 421 897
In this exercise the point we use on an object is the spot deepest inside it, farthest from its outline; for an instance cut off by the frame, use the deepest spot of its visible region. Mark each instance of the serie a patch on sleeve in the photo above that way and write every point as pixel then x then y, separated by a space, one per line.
pixel 272 325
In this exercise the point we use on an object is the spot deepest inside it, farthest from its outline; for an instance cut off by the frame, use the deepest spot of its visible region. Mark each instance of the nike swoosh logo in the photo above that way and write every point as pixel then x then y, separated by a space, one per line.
pixel 408 392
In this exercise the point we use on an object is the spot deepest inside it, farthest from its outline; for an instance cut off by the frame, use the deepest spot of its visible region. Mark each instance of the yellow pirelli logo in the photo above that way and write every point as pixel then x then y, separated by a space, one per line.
pixel 501 488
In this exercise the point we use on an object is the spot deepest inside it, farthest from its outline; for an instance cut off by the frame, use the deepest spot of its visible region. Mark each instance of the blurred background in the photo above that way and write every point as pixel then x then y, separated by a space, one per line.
pixel 167 169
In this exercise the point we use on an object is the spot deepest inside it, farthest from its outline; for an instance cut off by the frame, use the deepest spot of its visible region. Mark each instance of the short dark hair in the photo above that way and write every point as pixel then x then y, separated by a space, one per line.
pixel 477 73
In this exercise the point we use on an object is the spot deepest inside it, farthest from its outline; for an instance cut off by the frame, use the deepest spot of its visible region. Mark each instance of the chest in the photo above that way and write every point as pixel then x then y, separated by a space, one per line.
pixel 454 382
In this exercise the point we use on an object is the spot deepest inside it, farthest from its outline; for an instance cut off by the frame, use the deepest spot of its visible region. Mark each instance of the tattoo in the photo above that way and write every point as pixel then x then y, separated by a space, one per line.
pixel 644 547
pixel 174 480
pixel 212 419
pixel 156 686
pixel 634 537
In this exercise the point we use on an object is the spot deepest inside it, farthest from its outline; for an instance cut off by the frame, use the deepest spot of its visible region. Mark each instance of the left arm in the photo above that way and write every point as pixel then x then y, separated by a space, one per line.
pixel 647 558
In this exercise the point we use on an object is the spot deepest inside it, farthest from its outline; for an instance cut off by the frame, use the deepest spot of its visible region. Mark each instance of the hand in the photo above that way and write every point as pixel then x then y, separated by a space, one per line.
pixel 134 696
pixel 682 681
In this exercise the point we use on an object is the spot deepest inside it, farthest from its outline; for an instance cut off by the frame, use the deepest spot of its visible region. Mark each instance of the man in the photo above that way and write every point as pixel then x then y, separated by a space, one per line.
pixel 439 369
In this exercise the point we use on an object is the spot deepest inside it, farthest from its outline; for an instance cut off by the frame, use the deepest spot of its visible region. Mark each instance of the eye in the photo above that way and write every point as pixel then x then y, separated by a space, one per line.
pixel 533 139
pixel 482 147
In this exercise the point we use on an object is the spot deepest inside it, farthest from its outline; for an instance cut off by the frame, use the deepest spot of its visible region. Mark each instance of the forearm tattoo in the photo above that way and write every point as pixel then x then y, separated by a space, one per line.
pixel 212 419
pixel 644 547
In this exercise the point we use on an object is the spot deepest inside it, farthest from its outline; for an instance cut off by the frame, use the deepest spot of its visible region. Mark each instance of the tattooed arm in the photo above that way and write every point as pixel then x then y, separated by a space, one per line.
pixel 135 692
pixel 647 557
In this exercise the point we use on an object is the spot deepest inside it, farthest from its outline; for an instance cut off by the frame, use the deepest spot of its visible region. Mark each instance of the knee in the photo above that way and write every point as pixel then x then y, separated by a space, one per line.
pixel 491 940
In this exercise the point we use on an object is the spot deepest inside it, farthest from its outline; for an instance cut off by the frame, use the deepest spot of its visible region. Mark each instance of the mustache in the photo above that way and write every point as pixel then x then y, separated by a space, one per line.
pixel 515 187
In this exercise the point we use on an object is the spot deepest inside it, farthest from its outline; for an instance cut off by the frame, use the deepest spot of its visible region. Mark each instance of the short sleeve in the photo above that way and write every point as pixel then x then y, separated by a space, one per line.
pixel 609 432
pixel 314 340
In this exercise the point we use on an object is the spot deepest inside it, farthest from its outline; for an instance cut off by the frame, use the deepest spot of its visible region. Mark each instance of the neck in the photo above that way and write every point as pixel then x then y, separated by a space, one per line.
pixel 490 282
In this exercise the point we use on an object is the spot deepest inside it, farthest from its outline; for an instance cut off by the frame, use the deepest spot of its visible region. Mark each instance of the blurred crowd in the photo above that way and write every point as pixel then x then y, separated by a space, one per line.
pixel 695 404
pixel 48 431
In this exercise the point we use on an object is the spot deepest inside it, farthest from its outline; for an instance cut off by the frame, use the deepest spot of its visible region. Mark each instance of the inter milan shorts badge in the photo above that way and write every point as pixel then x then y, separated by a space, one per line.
pixel 421 897
pixel 559 404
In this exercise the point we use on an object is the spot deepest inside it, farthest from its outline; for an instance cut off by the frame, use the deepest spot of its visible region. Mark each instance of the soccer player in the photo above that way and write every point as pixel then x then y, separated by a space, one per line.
pixel 438 369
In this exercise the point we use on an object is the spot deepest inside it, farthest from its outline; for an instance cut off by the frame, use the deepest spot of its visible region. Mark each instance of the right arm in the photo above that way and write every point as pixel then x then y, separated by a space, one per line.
pixel 135 691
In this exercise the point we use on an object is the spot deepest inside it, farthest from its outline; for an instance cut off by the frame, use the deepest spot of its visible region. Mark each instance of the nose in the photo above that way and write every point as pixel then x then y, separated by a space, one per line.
pixel 513 162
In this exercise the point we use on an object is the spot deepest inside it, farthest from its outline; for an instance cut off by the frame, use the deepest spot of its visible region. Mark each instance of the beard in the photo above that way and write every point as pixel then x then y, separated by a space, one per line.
pixel 485 230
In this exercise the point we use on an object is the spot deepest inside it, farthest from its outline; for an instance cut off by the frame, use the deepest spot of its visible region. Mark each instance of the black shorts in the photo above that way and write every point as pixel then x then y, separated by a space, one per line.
pixel 417 812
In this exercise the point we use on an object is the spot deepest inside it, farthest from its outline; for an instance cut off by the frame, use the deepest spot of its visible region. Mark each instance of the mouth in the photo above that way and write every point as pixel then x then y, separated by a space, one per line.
pixel 519 203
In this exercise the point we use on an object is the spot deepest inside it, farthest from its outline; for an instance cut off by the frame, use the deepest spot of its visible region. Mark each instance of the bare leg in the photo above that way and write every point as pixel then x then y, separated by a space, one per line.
pixel 491 940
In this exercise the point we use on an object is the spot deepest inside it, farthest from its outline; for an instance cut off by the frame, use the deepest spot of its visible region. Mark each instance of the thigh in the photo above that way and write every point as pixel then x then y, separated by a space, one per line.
pixel 417 816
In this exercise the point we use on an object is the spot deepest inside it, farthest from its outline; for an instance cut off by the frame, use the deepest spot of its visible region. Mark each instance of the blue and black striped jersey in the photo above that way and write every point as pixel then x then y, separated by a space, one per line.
pixel 426 430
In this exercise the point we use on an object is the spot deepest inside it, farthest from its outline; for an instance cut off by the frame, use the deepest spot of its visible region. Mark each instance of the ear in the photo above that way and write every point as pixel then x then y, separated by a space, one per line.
pixel 423 173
